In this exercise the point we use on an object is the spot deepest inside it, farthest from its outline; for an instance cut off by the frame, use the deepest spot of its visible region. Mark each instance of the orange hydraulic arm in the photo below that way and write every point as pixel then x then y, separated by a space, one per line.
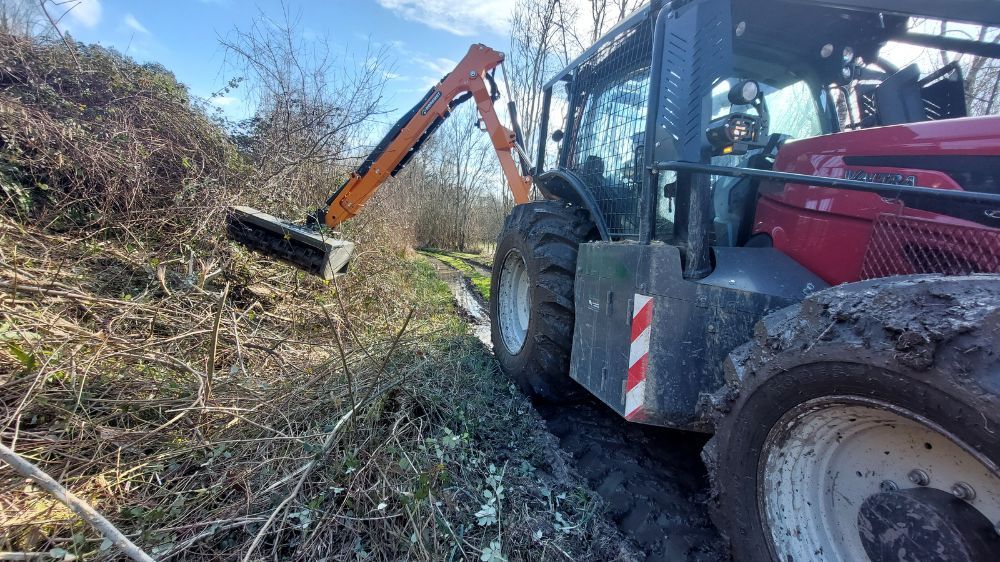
pixel 469 79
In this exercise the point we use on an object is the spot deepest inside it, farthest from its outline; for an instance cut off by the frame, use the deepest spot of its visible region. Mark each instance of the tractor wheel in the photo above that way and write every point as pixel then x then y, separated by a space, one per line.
pixel 531 296
pixel 864 424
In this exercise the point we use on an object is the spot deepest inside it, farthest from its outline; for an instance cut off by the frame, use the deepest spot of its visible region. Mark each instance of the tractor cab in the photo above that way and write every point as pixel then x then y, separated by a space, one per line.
pixel 748 154
pixel 736 84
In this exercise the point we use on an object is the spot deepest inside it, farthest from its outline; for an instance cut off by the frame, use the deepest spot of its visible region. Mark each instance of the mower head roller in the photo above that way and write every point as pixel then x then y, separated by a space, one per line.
pixel 298 245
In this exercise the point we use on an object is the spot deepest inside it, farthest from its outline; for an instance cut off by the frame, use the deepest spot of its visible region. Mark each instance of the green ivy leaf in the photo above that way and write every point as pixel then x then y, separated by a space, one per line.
pixel 26 358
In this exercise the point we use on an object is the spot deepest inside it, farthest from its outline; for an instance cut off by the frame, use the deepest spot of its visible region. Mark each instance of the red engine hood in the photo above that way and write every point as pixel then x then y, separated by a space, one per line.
pixel 828 230
pixel 971 136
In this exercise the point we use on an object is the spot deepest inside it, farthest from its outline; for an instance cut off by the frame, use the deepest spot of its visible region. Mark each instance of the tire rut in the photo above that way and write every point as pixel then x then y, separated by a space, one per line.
pixel 651 479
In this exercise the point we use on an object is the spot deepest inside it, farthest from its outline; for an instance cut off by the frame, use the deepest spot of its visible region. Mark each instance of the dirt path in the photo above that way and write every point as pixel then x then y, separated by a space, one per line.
pixel 478 266
pixel 652 479
pixel 468 303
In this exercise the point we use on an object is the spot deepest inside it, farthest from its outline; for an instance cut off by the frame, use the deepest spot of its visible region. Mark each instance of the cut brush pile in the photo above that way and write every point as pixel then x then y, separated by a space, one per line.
pixel 215 407
pixel 94 139
pixel 312 433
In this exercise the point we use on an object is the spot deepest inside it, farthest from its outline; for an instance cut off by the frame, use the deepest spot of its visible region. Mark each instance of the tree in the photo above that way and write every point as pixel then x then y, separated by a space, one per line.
pixel 544 39
pixel 545 36
pixel 313 109
pixel 20 17
pixel 605 14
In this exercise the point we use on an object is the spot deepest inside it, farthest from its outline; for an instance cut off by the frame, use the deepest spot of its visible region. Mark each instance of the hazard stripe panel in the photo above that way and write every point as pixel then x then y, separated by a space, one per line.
pixel 638 357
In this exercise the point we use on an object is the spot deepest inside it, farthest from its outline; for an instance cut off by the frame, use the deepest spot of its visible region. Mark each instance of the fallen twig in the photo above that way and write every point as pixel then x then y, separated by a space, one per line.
pixel 80 507
pixel 213 347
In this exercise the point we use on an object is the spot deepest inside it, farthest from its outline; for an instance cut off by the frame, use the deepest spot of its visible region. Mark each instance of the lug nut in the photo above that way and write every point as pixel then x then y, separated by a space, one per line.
pixel 888 486
pixel 919 477
pixel 963 491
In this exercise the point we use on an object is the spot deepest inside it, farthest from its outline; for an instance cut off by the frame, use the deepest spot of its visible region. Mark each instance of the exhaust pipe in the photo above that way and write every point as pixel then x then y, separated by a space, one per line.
pixel 309 250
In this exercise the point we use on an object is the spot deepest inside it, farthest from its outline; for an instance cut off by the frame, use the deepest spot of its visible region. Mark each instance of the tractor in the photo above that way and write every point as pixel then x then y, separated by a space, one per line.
pixel 757 226
pixel 750 223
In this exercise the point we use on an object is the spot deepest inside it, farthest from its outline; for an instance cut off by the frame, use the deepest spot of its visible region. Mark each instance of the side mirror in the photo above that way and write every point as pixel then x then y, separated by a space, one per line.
pixel 557 135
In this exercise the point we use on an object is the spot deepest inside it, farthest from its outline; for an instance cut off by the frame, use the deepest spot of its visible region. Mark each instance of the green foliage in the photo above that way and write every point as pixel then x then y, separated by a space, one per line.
pixel 26 358
pixel 15 196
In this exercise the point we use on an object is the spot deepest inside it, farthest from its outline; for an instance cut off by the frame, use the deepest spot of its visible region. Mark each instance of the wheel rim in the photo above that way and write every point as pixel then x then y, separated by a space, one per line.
pixel 823 459
pixel 514 302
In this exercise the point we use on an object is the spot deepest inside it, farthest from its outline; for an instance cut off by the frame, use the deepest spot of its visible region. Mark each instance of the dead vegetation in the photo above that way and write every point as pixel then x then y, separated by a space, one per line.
pixel 312 433
pixel 91 138
pixel 218 407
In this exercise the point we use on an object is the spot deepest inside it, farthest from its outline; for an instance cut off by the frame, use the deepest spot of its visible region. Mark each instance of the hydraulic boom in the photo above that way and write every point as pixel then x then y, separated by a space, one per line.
pixel 471 77
pixel 317 252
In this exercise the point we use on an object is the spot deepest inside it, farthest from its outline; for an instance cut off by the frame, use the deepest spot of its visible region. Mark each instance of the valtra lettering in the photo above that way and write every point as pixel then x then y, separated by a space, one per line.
pixel 880 177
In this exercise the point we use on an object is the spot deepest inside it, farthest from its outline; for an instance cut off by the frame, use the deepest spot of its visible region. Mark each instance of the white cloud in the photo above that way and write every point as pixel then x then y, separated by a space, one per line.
pixel 135 24
pixel 461 17
pixel 436 68
pixel 437 65
pixel 85 13
pixel 225 101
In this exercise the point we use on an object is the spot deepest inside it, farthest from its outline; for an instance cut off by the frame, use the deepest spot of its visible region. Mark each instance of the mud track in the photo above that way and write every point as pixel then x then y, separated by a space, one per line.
pixel 651 479
pixel 478 266
pixel 470 305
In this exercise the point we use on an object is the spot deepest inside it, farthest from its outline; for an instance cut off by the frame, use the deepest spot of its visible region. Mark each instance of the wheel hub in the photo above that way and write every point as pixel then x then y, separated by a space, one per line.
pixel 922 525
pixel 832 464
pixel 514 302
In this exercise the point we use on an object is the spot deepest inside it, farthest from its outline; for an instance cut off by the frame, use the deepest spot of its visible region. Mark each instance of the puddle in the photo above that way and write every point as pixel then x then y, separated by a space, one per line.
pixel 474 311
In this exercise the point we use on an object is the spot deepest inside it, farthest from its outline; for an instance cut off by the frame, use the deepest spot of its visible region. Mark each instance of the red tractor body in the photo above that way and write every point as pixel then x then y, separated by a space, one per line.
pixel 845 236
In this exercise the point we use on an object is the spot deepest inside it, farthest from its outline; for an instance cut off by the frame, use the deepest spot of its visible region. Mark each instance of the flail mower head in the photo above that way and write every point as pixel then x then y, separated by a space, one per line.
pixel 307 249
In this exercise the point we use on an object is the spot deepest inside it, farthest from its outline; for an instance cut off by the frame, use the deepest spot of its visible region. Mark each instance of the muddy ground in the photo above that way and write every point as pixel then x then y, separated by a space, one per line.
pixel 652 480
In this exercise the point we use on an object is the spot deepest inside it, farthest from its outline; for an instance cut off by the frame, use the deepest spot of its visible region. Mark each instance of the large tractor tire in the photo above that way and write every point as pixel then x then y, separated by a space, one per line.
pixel 864 424
pixel 531 296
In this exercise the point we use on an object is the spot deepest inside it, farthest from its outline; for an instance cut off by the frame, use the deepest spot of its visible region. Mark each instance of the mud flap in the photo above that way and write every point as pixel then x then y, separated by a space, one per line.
pixel 309 250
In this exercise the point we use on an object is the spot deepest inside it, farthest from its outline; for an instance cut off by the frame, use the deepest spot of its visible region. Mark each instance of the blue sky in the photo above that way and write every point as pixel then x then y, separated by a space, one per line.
pixel 424 37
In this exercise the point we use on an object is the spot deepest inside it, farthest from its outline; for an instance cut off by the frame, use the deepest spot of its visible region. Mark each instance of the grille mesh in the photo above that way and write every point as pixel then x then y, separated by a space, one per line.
pixel 611 93
pixel 903 245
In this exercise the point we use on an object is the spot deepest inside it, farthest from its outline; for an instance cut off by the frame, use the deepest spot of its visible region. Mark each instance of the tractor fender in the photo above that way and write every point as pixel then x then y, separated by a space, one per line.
pixel 564 185
pixel 854 310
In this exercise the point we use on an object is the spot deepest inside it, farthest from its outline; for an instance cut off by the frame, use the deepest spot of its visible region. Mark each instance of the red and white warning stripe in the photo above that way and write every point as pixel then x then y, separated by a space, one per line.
pixel 638 357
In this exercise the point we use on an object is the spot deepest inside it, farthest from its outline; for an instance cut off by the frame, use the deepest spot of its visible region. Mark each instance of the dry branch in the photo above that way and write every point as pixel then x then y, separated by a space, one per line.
pixel 80 507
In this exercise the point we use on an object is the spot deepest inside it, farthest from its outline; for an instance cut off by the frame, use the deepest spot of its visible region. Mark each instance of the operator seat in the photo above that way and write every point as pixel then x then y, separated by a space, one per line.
pixel 592 171
pixel 898 98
